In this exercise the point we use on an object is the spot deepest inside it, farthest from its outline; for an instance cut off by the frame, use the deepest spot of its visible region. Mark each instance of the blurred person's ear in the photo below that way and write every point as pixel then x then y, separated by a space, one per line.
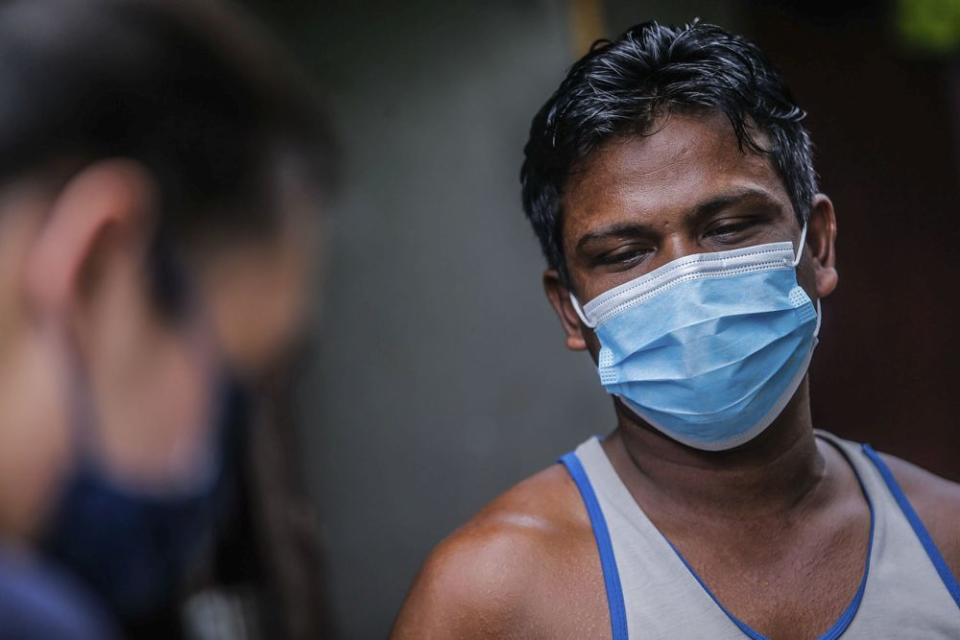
pixel 57 250
pixel 95 237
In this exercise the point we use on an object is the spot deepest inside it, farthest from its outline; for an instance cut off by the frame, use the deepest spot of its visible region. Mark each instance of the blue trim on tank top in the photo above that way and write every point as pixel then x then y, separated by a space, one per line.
pixel 611 575
pixel 949 580
pixel 608 562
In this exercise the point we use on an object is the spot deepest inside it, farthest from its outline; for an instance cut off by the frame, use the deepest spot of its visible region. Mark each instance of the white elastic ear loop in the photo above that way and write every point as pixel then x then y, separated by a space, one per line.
pixel 576 307
pixel 816 331
pixel 803 243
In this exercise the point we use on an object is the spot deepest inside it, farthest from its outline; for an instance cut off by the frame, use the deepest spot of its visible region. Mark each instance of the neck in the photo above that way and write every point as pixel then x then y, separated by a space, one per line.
pixel 150 388
pixel 773 474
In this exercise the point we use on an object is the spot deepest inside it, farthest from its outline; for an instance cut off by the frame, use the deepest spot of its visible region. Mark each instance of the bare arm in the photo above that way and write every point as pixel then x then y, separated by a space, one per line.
pixel 526 567
pixel 470 588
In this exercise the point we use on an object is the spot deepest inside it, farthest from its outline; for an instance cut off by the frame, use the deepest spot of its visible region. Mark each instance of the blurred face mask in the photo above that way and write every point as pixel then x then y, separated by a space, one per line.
pixel 134 545
pixel 709 348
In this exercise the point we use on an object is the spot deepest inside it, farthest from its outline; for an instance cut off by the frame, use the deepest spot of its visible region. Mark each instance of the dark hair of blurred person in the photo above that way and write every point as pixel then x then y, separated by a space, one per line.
pixel 161 166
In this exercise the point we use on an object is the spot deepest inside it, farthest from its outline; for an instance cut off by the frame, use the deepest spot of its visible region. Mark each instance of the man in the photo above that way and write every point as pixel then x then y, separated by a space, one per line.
pixel 161 167
pixel 670 182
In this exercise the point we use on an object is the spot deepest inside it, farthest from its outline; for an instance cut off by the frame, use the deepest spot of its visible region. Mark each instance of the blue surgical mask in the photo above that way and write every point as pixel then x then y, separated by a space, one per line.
pixel 133 546
pixel 709 348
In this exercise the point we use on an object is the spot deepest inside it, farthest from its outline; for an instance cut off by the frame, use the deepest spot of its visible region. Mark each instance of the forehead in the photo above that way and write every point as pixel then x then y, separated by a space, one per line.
pixel 658 177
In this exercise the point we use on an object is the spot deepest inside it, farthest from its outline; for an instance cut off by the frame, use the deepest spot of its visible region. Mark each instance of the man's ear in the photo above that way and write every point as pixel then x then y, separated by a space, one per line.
pixel 100 220
pixel 559 297
pixel 821 244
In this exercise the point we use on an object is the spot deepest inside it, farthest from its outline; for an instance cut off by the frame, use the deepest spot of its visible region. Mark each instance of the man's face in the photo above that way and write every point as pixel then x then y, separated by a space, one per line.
pixel 641 202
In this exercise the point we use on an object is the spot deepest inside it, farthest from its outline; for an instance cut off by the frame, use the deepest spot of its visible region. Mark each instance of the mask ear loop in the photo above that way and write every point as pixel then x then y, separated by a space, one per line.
pixel 816 331
pixel 803 244
pixel 579 310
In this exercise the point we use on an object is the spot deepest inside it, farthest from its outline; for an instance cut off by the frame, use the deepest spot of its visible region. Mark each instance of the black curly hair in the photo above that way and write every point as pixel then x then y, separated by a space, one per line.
pixel 622 87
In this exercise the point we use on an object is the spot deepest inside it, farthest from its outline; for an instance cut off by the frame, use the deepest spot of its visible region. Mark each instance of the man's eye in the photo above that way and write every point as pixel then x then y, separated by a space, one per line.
pixel 624 257
pixel 729 229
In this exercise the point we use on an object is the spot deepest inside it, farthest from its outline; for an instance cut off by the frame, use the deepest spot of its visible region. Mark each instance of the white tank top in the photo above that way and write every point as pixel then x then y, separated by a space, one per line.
pixel 907 591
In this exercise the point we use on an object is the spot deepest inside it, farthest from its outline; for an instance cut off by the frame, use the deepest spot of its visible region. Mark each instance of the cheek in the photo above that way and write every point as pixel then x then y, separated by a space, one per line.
pixel 282 291
pixel 258 303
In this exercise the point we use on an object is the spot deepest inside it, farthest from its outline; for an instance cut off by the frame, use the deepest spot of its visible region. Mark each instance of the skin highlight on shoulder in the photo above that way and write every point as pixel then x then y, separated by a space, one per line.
pixel 521 568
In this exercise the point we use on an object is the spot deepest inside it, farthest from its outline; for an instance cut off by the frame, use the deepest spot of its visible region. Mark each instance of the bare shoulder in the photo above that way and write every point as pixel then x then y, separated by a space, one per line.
pixel 504 574
pixel 937 502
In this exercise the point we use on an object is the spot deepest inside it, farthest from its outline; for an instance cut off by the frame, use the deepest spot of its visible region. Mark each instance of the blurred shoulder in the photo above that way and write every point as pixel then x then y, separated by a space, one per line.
pixel 503 573
pixel 937 502
pixel 37 601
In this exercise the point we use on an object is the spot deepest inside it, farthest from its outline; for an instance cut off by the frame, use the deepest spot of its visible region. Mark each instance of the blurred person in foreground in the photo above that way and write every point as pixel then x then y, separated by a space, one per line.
pixel 161 164
pixel 671 184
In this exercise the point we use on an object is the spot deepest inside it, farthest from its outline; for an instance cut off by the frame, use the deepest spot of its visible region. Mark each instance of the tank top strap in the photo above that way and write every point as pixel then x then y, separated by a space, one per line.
pixel 882 486
pixel 651 592
pixel 601 533
pixel 866 473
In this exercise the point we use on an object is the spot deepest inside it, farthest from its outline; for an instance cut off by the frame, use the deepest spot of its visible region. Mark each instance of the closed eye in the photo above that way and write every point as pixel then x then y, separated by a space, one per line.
pixel 728 231
pixel 623 258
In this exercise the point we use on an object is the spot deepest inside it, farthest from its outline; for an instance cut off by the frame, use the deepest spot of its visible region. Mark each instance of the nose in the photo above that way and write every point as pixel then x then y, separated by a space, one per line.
pixel 673 246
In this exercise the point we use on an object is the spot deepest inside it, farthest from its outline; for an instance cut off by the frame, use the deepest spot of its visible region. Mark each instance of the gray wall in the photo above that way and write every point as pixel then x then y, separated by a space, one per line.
pixel 442 377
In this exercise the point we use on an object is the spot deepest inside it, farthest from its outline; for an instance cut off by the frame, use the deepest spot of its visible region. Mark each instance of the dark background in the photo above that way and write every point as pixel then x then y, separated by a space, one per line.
pixel 441 377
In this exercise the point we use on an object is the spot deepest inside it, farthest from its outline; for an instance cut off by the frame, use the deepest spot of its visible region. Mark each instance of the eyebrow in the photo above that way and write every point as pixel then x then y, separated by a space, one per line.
pixel 701 211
